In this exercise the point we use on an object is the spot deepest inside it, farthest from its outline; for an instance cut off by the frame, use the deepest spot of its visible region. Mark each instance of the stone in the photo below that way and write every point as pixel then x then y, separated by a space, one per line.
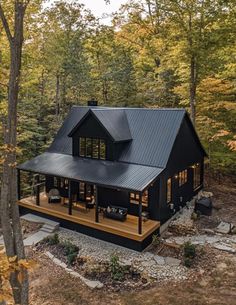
pixel 224 227
pixel 35 238
pixel 208 231
pixel 159 259
pixel 221 266
pixel 233 231
pixel 224 247
pixel 172 261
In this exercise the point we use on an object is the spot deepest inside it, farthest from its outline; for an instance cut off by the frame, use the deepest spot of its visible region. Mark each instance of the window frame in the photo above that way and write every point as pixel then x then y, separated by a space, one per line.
pixel 134 198
pixel 169 190
pixel 85 150
pixel 183 177
pixel 196 175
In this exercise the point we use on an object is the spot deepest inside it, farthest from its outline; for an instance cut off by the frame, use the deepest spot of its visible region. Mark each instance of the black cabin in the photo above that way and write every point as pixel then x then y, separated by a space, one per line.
pixel 116 174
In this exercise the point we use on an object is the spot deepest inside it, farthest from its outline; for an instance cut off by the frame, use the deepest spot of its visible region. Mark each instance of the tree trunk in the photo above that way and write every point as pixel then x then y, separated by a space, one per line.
pixel 192 89
pixel 8 208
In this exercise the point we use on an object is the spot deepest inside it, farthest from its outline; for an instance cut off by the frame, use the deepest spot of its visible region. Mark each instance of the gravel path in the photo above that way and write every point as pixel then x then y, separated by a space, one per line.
pixel 154 266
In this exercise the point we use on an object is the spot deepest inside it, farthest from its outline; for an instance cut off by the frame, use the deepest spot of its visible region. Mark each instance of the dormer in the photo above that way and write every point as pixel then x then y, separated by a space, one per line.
pixel 101 134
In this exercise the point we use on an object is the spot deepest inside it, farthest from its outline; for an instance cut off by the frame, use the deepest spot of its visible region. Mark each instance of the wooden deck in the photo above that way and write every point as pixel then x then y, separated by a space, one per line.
pixel 127 229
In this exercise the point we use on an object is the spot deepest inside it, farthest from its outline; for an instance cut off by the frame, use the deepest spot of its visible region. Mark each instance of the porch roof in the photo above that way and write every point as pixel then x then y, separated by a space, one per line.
pixel 119 175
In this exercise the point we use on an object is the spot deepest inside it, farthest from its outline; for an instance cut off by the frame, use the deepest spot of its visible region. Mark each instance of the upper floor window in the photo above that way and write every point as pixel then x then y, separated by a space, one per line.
pixel 183 177
pixel 134 198
pixel 196 175
pixel 168 190
pixel 92 148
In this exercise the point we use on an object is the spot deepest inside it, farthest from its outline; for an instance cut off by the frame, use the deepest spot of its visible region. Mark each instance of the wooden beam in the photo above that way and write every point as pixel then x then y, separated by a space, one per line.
pixel 140 214
pixel 37 190
pixel 18 185
pixel 96 204
pixel 70 197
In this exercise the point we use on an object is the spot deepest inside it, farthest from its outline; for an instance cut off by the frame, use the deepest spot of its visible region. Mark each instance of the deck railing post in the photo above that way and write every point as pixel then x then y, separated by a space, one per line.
pixel 37 190
pixel 18 185
pixel 96 203
pixel 70 198
pixel 140 214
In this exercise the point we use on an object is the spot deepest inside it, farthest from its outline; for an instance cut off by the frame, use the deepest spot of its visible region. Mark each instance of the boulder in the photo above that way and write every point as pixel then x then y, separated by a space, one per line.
pixel 224 227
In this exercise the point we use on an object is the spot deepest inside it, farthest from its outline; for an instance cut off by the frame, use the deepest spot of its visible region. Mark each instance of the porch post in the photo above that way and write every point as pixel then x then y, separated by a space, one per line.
pixel 96 203
pixel 70 198
pixel 18 185
pixel 140 214
pixel 37 190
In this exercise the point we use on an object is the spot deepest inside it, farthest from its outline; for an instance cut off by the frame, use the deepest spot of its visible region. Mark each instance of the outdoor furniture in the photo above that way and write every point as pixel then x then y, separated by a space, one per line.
pixel 54 196
pixel 116 212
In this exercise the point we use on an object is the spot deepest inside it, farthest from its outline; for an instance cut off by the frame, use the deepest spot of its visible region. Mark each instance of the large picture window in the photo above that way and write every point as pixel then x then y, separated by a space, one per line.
pixel 92 148
pixel 196 175
pixel 183 177
pixel 134 198
pixel 168 190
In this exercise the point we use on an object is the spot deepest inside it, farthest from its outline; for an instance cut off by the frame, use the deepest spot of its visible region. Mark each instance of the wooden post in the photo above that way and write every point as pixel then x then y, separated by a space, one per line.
pixel 96 203
pixel 37 190
pixel 18 185
pixel 140 214
pixel 70 197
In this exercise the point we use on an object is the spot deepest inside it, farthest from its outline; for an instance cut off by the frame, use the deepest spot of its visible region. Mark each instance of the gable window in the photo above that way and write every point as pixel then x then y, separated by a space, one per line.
pixel 168 190
pixel 92 148
pixel 183 177
pixel 196 175
pixel 134 198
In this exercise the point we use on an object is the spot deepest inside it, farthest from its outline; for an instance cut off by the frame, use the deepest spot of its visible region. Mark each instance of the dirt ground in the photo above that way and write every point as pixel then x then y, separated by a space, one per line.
pixel 213 284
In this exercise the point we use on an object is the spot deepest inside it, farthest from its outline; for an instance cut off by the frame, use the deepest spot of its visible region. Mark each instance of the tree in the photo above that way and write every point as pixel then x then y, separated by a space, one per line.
pixel 9 210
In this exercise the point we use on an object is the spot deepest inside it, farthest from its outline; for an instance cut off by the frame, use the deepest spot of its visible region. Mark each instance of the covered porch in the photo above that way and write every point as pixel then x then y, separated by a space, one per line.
pixel 87 217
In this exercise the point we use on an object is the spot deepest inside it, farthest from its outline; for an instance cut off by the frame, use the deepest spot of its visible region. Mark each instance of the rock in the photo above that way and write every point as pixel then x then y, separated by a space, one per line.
pixel 172 261
pixel 224 227
pixel 159 259
pixel 233 231
pixel 224 247
pixel 221 266
pixel 208 231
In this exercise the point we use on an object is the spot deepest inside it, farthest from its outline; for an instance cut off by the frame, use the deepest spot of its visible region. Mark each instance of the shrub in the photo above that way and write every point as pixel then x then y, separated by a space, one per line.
pixel 189 254
pixel 117 271
pixel 189 250
pixel 52 240
pixel 71 258
pixel 155 240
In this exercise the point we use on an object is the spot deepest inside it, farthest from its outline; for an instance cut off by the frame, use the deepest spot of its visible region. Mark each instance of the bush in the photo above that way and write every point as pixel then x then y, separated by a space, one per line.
pixel 189 254
pixel 71 258
pixel 117 271
pixel 189 250
pixel 52 240
pixel 155 240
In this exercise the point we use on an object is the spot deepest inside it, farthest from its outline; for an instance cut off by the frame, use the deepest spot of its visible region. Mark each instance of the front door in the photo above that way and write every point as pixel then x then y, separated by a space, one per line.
pixel 86 191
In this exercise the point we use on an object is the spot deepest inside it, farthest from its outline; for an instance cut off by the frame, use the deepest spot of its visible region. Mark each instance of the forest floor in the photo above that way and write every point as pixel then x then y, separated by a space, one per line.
pixel 212 280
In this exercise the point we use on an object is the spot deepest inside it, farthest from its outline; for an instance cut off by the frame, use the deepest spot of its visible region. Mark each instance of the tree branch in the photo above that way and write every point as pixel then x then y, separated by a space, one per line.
pixel 5 24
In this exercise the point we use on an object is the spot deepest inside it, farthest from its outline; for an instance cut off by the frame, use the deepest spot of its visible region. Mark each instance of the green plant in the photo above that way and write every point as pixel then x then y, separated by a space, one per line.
pixel 189 254
pixel 71 258
pixel 52 240
pixel 189 250
pixel 117 271
pixel 155 240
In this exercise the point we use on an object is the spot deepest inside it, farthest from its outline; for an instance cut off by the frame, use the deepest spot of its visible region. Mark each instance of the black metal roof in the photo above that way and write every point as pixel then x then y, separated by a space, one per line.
pixel 114 122
pixel 153 132
pixel 104 173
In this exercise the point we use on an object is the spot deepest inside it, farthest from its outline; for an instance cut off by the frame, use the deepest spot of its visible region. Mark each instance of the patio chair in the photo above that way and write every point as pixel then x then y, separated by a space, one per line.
pixel 54 196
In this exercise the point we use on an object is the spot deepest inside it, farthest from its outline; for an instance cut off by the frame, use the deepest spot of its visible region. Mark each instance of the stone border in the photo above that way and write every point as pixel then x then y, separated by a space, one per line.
pixel 89 283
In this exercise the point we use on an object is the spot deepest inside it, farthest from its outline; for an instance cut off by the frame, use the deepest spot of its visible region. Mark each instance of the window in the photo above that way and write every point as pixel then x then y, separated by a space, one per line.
pixel 102 150
pixel 92 148
pixel 82 145
pixel 88 147
pixel 169 190
pixel 134 198
pixel 196 175
pixel 183 177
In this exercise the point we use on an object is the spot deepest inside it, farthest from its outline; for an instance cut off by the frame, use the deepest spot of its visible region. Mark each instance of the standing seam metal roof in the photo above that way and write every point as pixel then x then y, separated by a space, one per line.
pixel 105 173
pixel 153 132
